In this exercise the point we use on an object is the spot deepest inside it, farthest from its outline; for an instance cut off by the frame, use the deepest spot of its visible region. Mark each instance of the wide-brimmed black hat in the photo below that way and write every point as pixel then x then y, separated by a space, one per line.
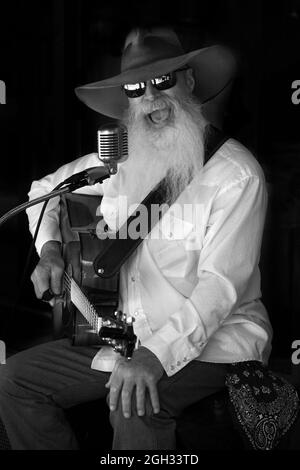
pixel 153 52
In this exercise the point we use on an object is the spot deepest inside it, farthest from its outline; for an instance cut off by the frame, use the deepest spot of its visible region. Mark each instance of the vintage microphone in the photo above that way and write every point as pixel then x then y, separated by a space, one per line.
pixel 112 145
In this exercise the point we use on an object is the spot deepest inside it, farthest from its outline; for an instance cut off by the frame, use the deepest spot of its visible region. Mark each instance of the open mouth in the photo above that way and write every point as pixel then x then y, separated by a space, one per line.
pixel 159 117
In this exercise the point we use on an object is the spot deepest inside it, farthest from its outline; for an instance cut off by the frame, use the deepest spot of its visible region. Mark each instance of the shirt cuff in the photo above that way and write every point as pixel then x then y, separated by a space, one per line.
pixel 173 355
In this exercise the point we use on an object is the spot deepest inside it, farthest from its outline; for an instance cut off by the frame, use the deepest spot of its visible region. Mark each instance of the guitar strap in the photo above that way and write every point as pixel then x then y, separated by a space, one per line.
pixel 118 249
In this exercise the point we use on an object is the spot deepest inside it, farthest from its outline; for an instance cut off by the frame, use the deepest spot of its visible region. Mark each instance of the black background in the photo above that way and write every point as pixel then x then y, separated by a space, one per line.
pixel 49 47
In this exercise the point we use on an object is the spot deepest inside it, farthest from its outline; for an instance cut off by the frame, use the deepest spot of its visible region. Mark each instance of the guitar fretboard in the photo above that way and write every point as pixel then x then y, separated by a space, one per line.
pixel 82 303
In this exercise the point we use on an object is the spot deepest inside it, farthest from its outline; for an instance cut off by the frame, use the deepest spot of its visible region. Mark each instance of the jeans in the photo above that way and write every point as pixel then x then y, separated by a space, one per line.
pixel 38 384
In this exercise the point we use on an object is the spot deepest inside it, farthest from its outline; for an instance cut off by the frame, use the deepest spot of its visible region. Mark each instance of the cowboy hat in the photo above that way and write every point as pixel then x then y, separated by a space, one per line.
pixel 151 53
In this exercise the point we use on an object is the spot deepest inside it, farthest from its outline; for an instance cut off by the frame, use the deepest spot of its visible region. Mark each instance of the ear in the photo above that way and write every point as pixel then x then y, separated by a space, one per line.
pixel 189 79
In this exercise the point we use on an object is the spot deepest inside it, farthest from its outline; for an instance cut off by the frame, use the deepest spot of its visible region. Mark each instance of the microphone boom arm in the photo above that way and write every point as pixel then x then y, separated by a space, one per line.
pixel 84 178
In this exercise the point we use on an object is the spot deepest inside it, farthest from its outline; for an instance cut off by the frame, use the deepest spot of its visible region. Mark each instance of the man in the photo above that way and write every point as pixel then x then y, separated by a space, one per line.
pixel 193 288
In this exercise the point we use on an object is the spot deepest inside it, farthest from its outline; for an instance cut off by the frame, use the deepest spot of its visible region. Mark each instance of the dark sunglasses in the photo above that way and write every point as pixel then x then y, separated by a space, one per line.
pixel 164 82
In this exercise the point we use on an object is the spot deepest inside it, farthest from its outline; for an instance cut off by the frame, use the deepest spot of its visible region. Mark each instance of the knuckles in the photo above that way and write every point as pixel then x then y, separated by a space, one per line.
pixel 47 265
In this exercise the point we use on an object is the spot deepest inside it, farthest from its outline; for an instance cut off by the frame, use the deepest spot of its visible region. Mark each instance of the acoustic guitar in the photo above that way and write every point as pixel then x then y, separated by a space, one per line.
pixel 87 312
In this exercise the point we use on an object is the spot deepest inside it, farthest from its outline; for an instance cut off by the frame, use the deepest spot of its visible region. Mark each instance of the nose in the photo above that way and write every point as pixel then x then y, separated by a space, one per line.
pixel 151 92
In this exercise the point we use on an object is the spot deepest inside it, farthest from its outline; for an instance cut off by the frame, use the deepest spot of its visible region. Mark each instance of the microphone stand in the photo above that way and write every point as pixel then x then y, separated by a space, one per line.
pixel 74 182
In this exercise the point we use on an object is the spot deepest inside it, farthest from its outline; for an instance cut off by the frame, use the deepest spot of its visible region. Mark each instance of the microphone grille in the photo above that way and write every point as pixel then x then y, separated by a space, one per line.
pixel 112 143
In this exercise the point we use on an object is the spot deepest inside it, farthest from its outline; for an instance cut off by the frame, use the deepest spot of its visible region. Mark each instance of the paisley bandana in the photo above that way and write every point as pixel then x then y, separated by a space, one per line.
pixel 263 405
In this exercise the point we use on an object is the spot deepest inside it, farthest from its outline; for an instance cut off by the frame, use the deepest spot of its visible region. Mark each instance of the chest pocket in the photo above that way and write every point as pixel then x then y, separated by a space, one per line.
pixel 167 244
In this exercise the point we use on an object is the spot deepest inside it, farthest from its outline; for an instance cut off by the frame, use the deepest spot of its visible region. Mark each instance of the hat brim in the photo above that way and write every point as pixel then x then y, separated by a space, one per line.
pixel 213 67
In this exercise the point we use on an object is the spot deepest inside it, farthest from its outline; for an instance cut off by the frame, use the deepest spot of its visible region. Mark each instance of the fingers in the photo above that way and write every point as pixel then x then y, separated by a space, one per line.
pixel 48 276
pixel 122 385
pixel 154 396
pixel 56 279
pixel 41 281
pixel 125 392
pixel 140 399
pixel 114 394
pixel 123 380
pixel 126 399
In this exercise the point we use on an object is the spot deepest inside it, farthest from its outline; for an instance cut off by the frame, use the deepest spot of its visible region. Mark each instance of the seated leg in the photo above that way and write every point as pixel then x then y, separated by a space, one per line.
pixel 36 386
pixel 157 431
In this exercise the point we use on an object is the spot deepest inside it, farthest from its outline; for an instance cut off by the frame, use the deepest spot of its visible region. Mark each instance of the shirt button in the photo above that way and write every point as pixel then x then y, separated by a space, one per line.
pixel 132 278
pixel 172 367
pixel 178 363
pixel 185 359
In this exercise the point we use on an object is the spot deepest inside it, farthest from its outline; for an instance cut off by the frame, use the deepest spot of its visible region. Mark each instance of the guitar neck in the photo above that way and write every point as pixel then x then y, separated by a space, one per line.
pixel 81 302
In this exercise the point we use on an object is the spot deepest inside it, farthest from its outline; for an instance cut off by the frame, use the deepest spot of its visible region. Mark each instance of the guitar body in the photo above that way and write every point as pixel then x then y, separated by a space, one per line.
pixel 79 215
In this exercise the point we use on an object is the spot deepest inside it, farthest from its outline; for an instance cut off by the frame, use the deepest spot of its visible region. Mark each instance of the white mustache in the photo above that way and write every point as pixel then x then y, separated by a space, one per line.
pixel 159 103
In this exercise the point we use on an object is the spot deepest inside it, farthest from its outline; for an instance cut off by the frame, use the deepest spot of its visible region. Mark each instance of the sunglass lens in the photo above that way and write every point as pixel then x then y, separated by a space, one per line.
pixel 135 90
pixel 164 82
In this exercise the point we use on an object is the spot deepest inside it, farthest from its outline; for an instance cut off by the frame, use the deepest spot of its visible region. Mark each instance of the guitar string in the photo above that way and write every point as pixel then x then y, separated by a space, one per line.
pixel 81 302
pixel 83 305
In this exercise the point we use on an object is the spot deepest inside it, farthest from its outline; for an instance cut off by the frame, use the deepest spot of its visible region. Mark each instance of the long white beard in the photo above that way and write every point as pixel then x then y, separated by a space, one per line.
pixel 175 151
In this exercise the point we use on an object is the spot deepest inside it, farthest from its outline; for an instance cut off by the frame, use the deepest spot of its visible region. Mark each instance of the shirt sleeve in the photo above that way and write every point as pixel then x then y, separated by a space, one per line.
pixel 228 257
pixel 49 229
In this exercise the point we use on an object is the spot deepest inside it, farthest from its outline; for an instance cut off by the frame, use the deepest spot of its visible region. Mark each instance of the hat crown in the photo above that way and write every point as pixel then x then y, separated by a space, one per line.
pixel 144 46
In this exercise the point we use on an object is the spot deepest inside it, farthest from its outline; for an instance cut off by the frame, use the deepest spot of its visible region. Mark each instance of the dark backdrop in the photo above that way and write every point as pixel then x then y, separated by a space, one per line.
pixel 48 48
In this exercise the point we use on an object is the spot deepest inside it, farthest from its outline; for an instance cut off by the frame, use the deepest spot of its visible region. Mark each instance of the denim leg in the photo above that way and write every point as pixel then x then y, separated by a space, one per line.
pixel 194 382
pixel 36 386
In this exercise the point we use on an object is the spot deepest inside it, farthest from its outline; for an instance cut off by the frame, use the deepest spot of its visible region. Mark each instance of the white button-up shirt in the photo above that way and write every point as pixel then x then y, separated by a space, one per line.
pixel 193 285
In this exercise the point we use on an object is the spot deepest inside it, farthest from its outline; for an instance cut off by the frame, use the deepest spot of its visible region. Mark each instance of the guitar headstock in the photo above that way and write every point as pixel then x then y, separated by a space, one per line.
pixel 117 332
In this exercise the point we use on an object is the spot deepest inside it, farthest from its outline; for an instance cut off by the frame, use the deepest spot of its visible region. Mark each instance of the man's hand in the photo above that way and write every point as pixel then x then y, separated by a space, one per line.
pixel 49 271
pixel 142 372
